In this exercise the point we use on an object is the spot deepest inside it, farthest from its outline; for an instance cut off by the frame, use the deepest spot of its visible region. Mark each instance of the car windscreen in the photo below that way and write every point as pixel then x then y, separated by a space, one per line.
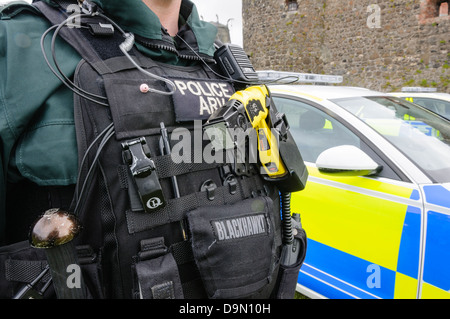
pixel 438 106
pixel 421 135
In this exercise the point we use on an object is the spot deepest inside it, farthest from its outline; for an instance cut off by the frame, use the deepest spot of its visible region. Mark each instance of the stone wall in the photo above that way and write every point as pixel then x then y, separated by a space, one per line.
pixel 382 45
pixel 223 33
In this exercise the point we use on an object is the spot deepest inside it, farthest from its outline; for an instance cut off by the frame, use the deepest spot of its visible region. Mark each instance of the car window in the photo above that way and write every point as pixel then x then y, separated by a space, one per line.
pixel 438 106
pixel 421 135
pixel 314 131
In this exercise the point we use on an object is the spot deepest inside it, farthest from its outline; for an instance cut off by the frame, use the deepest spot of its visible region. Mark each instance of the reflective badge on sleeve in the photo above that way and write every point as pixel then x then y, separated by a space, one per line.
pixel 198 99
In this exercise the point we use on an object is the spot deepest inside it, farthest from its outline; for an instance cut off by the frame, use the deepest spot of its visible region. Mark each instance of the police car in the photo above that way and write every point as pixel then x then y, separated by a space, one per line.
pixel 428 98
pixel 376 207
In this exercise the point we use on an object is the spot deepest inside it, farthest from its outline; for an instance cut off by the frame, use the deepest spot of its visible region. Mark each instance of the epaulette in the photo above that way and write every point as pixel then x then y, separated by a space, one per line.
pixel 13 8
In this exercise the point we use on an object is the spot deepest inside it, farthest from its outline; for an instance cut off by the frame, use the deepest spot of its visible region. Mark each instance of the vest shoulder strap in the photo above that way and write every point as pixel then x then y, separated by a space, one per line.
pixel 12 9
pixel 79 38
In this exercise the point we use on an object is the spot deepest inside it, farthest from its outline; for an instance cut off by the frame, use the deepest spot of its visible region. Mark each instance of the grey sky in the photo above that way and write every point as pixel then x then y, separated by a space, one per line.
pixel 222 11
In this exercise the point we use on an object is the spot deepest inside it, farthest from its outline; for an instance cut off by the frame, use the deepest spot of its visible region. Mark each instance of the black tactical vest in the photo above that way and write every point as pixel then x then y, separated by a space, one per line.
pixel 213 235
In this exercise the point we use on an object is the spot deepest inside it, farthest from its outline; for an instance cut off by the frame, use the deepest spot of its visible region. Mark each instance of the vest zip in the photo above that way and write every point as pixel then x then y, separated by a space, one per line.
pixel 196 58
pixel 171 49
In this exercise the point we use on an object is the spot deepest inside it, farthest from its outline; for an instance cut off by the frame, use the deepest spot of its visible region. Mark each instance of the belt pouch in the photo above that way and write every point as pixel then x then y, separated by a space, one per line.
pixel 234 247
pixel 158 278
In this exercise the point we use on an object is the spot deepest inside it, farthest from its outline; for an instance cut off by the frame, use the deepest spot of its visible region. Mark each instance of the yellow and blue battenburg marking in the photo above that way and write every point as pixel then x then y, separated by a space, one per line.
pixel 436 274
pixel 364 238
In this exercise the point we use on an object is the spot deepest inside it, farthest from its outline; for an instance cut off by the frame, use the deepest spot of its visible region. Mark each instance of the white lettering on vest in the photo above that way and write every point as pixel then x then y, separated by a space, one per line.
pixel 211 95
pixel 236 228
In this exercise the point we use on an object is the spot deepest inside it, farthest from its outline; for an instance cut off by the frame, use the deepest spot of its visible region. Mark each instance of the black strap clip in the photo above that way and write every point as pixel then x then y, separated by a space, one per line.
pixel 209 187
pixel 232 183
pixel 136 154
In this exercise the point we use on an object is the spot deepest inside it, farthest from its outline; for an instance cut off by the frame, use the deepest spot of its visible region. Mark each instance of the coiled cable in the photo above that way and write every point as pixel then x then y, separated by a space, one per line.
pixel 288 235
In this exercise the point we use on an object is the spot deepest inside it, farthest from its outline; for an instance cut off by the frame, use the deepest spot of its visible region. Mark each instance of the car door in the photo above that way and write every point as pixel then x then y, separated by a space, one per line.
pixel 363 232
pixel 435 274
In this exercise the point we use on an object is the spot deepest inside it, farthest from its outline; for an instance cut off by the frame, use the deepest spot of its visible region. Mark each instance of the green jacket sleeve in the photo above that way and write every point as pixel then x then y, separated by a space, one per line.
pixel 37 133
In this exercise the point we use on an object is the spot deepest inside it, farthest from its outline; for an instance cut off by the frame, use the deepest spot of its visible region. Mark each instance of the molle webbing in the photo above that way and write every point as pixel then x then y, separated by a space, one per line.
pixel 177 207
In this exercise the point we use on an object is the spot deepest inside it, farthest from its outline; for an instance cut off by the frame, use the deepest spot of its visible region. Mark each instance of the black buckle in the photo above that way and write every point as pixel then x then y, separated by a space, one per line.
pixel 137 155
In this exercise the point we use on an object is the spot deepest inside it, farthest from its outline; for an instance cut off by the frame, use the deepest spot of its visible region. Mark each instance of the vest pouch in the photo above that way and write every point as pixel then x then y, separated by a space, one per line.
pixel 136 113
pixel 156 275
pixel 91 267
pixel 234 247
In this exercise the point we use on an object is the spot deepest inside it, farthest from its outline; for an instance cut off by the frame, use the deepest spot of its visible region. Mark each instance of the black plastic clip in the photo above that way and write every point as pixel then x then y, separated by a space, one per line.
pixel 232 183
pixel 101 29
pixel 136 154
pixel 209 187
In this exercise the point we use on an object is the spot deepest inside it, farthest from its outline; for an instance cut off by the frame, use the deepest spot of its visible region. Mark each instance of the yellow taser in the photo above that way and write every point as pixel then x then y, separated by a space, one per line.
pixel 255 99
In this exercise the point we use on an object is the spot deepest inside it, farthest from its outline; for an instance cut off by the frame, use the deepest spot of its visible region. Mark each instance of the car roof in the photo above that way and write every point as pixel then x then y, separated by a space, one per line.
pixel 326 92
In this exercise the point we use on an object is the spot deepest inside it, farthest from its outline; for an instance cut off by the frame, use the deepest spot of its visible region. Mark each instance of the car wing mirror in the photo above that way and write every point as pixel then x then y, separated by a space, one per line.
pixel 347 160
